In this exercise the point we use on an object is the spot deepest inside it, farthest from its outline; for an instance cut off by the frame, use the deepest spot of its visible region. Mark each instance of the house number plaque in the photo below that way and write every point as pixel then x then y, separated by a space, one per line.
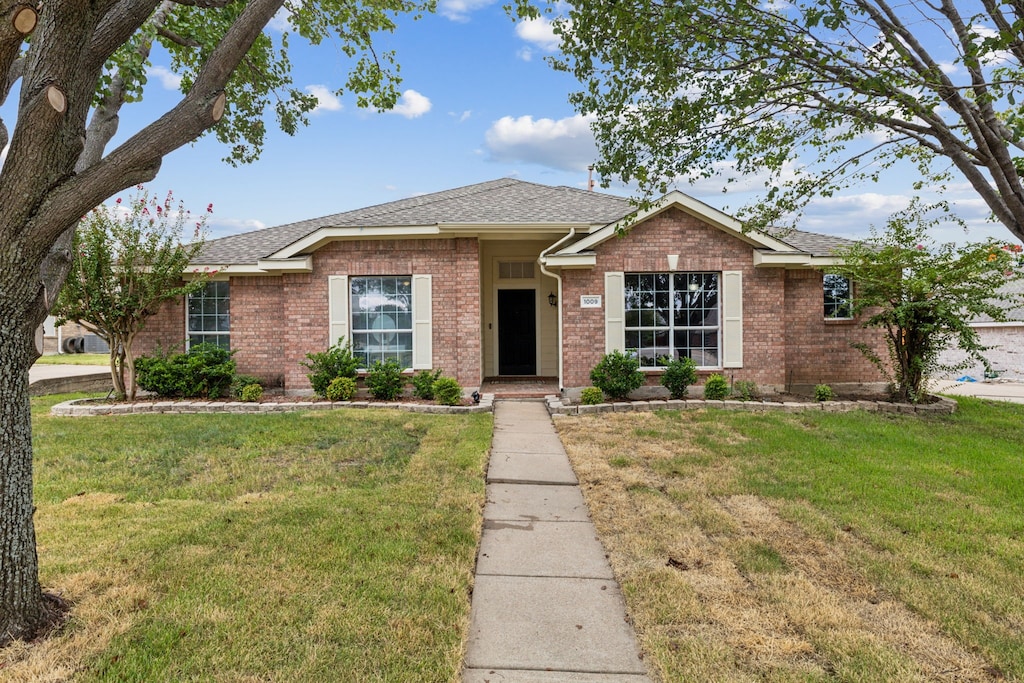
pixel 590 301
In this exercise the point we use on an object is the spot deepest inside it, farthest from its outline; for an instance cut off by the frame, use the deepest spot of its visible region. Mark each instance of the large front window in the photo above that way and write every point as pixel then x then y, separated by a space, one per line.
pixel 382 319
pixel 209 315
pixel 673 315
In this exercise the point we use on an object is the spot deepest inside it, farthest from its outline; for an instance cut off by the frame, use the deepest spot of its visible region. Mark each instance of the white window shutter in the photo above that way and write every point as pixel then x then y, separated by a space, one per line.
pixel 422 333
pixel 732 319
pixel 337 304
pixel 614 312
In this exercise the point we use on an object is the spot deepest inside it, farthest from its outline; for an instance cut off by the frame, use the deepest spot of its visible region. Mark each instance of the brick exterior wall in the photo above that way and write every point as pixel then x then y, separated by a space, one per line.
pixel 454 265
pixel 164 330
pixel 277 320
pixel 1006 355
pixel 257 327
pixel 818 351
pixel 785 336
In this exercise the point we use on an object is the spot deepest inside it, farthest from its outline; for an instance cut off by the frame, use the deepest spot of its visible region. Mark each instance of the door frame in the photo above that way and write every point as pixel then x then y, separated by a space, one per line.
pixel 524 284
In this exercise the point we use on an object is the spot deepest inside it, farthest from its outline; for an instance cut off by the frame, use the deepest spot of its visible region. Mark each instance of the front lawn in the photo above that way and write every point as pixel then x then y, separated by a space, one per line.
pixel 308 546
pixel 814 546
pixel 75 359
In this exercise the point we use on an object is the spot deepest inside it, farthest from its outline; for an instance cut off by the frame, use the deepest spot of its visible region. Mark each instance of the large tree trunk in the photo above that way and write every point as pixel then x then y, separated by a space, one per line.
pixel 24 613
pixel 41 198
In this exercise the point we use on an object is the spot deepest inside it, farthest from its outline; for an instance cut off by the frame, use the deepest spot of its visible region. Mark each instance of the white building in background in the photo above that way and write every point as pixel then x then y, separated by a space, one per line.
pixel 1006 340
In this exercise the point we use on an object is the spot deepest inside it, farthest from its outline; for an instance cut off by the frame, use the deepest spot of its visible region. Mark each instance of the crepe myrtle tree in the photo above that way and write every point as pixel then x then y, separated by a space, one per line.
pixel 78 63
pixel 809 95
pixel 127 260
pixel 924 295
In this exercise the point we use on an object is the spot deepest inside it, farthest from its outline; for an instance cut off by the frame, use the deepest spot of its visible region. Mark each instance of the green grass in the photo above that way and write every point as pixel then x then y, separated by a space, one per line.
pixel 819 545
pixel 75 359
pixel 310 546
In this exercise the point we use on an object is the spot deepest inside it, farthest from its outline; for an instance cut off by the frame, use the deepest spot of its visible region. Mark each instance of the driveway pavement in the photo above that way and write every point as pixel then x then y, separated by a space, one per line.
pixel 998 390
pixel 40 371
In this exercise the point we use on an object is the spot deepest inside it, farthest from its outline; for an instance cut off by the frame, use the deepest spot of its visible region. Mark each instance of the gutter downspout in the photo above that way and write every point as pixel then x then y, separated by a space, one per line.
pixel 558 278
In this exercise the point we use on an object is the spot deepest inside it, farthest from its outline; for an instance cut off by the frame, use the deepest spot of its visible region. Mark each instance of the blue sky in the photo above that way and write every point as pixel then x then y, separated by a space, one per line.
pixel 479 103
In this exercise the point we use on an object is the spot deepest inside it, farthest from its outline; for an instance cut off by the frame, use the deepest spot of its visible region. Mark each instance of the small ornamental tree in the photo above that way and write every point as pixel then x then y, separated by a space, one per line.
pixel 924 296
pixel 127 260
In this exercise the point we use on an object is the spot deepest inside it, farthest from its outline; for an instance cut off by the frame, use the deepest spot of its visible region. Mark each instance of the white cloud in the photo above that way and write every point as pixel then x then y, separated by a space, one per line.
pixel 168 79
pixel 949 68
pixel 280 22
pixel 459 10
pixel 222 227
pixel 566 144
pixel 525 54
pixel 3 154
pixel 539 32
pixel 412 105
pixel 325 99
pixel 463 117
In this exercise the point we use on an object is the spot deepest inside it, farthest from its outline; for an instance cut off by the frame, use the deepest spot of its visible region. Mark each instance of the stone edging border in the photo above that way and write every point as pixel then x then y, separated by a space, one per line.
pixel 86 406
pixel 83 407
pixel 942 406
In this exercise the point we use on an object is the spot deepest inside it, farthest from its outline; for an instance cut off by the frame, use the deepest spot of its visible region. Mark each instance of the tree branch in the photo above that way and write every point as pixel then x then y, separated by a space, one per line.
pixel 177 39
pixel 139 158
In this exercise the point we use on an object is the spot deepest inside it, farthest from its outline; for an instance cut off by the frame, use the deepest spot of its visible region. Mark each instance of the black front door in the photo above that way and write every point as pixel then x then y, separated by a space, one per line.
pixel 517 332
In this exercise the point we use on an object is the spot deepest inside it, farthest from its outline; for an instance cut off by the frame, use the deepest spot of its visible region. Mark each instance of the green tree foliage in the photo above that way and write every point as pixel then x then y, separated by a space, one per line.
pixel 127 260
pixel 924 295
pixel 814 94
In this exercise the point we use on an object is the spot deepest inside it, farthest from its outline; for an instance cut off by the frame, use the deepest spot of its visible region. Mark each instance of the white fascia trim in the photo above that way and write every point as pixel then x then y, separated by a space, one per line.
pixel 694 207
pixel 586 260
pixel 268 266
pixel 314 239
pixel 1009 323
pixel 483 229
pixel 296 264
pixel 793 259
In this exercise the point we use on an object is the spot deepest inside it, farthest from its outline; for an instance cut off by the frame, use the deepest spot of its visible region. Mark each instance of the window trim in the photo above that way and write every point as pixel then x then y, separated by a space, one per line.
pixel 411 331
pixel 208 333
pixel 671 328
pixel 836 304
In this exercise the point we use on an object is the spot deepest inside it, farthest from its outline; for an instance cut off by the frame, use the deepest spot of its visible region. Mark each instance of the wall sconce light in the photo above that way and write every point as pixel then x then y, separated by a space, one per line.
pixel 673 261
pixel 552 299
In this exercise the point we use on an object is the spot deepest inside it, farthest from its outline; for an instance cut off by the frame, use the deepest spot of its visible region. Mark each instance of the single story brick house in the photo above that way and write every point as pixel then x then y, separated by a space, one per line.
pixel 514 279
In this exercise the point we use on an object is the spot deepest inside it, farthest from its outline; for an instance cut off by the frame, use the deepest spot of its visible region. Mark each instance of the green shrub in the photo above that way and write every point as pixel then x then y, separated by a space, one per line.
pixel 716 388
pixel 423 384
pixel 447 391
pixel 679 374
pixel 385 380
pixel 823 392
pixel 341 389
pixel 591 396
pixel 206 370
pixel 336 361
pixel 745 389
pixel 251 393
pixel 240 382
pixel 617 374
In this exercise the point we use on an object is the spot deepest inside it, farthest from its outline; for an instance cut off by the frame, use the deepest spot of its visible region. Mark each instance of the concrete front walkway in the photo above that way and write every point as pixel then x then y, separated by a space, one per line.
pixel 546 607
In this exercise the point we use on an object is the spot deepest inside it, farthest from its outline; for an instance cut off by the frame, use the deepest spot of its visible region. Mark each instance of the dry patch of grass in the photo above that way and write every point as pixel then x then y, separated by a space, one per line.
pixel 289 547
pixel 734 570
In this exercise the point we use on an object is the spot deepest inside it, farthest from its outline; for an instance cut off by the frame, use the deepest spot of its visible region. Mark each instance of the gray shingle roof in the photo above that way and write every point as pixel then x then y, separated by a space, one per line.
pixel 813 243
pixel 499 202
pixel 505 201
